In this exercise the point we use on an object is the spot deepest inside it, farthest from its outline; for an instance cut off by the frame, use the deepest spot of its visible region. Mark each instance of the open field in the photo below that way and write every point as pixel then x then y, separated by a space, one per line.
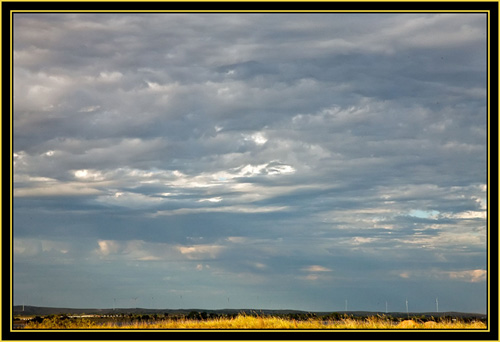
pixel 243 321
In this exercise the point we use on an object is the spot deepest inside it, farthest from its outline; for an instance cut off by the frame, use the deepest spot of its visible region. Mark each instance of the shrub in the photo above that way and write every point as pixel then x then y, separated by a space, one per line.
pixel 60 322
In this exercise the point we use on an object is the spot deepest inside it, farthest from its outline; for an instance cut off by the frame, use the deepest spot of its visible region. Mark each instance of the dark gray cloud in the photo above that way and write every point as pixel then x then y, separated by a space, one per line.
pixel 276 159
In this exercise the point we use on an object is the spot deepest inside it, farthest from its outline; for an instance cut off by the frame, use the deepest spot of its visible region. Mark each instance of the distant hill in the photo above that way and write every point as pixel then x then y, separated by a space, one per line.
pixel 27 310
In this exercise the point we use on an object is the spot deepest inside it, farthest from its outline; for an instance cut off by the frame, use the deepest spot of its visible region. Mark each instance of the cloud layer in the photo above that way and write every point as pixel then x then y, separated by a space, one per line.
pixel 281 160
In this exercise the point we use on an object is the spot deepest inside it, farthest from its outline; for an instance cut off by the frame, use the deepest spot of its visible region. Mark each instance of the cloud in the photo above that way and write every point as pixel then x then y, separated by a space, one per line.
pixel 472 276
pixel 139 250
pixel 467 276
pixel 27 247
pixel 129 199
pixel 331 148
pixel 213 199
pixel 223 209
pixel 200 251
pixel 316 273
pixel 107 247
pixel 316 268
pixel 55 188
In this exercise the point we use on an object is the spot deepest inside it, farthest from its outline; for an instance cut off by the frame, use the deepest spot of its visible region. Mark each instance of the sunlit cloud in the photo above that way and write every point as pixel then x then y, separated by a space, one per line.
pixel 471 276
pixel 202 252
pixel 213 199
pixel 56 189
pixel 224 209
pixel 107 246
pixel 405 275
pixel 316 268
pixel 129 199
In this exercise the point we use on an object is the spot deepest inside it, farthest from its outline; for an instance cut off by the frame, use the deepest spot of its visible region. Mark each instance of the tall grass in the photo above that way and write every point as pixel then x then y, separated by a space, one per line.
pixel 257 322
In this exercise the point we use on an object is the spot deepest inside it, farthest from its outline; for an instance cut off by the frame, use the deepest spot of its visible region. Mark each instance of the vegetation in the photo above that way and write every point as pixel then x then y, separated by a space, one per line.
pixel 203 320
pixel 60 322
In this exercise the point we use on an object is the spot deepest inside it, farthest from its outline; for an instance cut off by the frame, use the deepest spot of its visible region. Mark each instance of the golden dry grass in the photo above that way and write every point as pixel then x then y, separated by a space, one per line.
pixel 261 323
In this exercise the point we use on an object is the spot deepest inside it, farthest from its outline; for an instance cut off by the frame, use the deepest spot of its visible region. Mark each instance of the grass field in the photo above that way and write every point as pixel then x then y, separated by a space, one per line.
pixel 256 322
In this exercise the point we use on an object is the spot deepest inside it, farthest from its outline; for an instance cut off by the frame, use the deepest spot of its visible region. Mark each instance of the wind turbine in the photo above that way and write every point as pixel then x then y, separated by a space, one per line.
pixel 437 305
pixel 385 306
pixel 407 308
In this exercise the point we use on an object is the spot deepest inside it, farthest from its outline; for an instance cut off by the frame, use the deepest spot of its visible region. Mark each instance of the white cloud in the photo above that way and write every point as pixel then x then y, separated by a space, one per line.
pixel 454 30
pixel 224 209
pixel 213 199
pixel 471 276
pixel 29 247
pixel 257 138
pixel 107 247
pixel 467 215
pixel 112 76
pixel 316 268
pixel 237 239
pixel 89 109
pixel 201 252
pixel 405 275
pixel 89 175
pixel 358 240
pixel 316 273
pixel 140 250
pixel 129 199
pixel 55 189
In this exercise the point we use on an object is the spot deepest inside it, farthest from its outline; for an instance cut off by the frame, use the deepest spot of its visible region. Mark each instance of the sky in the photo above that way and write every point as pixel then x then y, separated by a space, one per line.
pixel 263 161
